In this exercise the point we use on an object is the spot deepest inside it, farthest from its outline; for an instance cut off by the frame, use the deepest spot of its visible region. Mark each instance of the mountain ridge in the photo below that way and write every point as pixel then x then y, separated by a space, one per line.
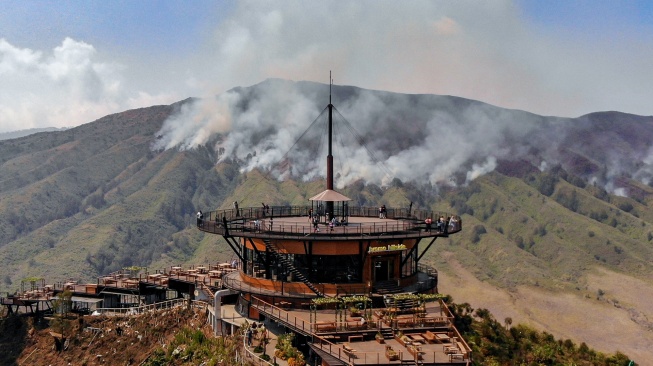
pixel 83 202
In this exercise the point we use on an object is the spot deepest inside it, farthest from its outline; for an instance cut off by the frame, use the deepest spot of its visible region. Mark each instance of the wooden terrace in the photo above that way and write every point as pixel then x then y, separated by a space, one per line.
pixel 428 338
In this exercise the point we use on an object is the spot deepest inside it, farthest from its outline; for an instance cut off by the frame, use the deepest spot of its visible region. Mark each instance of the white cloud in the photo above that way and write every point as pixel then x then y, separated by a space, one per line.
pixel 486 51
pixel 66 87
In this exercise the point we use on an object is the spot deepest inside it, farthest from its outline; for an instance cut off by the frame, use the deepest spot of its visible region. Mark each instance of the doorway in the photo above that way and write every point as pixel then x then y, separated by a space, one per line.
pixel 384 269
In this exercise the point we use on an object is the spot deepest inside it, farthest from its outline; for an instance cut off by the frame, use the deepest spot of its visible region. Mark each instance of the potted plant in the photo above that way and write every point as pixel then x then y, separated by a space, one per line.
pixel 354 311
pixel 379 337
pixel 402 339
pixel 391 354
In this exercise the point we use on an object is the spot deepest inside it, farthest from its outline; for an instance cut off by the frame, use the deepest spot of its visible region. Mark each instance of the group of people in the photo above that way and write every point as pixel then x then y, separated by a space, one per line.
pixel 258 330
pixel 442 225
pixel 315 220
pixel 382 212
pixel 260 223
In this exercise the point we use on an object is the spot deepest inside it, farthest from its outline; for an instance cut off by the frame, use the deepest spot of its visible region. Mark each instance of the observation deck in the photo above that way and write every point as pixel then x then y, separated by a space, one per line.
pixel 293 222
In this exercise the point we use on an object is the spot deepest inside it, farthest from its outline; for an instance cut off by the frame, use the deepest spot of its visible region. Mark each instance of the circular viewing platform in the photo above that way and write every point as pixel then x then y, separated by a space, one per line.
pixel 292 222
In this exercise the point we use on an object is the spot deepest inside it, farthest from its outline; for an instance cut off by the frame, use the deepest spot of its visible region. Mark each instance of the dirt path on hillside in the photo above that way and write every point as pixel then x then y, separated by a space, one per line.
pixel 601 322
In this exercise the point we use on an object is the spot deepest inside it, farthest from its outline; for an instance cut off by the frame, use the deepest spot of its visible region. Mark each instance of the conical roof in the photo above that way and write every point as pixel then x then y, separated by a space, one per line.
pixel 329 196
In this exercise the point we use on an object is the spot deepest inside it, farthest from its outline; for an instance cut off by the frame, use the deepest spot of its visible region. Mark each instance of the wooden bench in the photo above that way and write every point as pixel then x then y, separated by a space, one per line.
pixel 356 325
pixel 353 338
pixel 325 326
pixel 416 352
pixel 348 350
pixel 405 322
pixel 461 347
pixel 456 356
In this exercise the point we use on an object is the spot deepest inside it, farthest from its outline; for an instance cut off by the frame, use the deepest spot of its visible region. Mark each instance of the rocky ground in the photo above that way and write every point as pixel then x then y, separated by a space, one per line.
pixel 94 340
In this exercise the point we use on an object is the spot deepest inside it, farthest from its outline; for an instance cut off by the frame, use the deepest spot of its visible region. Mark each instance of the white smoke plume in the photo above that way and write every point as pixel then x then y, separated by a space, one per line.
pixel 425 138
pixel 380 136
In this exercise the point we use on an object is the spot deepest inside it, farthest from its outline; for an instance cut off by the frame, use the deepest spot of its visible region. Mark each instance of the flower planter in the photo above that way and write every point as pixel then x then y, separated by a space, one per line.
pixel 391 354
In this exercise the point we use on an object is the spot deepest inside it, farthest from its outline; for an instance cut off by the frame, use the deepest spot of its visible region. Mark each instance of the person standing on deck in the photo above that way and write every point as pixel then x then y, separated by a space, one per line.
pixel 248 334
pixel 315 222
pixel 236 208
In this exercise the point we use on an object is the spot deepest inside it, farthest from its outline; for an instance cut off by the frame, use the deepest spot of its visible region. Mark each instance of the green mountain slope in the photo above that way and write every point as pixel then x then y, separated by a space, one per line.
pixel 516 235
pixel 90 200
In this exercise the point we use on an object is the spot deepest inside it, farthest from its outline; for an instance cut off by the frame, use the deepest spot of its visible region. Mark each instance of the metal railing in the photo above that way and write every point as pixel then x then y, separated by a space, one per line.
pixel 337 350
pixel 233 282
pixel 150 307
pixel 251 356
pixel 411 223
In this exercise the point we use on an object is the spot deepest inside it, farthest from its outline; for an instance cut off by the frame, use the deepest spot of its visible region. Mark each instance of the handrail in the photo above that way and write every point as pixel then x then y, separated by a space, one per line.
pixel 298 325
pixel 335 350
pixel 144 308
pixel 409 224
pixel 295 324
pixel 252 357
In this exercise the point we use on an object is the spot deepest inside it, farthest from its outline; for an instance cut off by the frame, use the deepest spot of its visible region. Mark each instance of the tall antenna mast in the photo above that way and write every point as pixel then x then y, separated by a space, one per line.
pixel 329 205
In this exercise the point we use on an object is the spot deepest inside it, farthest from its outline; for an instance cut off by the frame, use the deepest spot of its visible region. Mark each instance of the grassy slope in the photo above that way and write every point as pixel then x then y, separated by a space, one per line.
pixel 575 277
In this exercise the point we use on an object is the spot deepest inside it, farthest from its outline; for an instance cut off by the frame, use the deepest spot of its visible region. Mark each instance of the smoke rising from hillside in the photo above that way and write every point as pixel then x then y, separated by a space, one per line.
pixel 380 136
pixel 425 138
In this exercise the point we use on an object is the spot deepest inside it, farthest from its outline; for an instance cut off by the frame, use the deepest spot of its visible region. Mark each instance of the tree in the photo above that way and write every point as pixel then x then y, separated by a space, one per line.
pixel 62 306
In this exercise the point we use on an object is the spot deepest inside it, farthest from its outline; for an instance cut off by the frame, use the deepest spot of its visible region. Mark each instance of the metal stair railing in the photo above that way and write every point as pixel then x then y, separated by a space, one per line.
pixel 296 273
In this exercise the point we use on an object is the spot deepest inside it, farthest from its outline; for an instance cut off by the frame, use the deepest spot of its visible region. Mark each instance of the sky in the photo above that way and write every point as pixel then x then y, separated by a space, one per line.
pixel 65 63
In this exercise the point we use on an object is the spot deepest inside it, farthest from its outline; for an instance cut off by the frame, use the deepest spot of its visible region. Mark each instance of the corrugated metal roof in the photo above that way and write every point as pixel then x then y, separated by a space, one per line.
pixel 85 299
pixel 81 299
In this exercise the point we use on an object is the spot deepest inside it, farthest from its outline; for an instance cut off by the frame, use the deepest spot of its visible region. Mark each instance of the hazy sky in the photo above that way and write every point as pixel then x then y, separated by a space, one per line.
pixel 63 63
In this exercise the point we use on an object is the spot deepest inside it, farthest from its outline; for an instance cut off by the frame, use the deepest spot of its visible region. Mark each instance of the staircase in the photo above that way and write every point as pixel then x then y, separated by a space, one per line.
pixel 387 333
pixel 271 247
pixel 387 287
pixel 206 290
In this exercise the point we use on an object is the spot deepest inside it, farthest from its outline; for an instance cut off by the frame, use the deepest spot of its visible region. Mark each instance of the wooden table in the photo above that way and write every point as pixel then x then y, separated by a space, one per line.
pixel 215 273
pixel 416 338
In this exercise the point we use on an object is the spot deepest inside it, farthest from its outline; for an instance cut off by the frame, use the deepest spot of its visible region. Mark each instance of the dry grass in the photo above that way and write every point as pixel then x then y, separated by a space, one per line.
pixel 599 321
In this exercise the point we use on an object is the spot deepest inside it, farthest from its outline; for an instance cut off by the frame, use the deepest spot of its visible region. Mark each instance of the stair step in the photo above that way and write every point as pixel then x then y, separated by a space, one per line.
pixel 291 268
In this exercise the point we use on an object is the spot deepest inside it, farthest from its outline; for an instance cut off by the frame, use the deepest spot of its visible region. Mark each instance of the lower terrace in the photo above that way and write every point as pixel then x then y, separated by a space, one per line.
pixel 425 336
